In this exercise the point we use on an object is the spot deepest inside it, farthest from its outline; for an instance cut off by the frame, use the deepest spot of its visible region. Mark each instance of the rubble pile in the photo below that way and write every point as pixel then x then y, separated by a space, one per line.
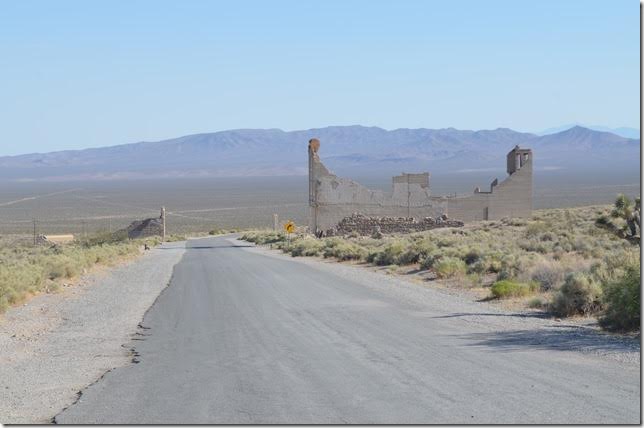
pixel 364 225
pixel 145 228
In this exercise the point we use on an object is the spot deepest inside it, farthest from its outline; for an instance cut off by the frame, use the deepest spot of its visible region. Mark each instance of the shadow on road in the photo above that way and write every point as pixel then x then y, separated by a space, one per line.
pixel 540 315
pixel 560 338
pixel 210 247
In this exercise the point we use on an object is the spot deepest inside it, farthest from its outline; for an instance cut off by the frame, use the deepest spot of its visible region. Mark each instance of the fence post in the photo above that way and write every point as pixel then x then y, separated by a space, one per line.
pixel 163 221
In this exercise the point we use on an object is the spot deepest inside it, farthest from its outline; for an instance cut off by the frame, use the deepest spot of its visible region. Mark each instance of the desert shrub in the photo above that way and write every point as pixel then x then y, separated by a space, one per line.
pixel 548 274
pixel 389 253
pixel 428 261
pixel 536 228
pixel 472 256
pixel 537 303
pixel 265 237
pixel 622 300
pixel 449 267
pixel 415 252
pixel 579 294
pixel 306 247
pixel 343 250
pixel 475 279
pixel 27 270
pixel 509 288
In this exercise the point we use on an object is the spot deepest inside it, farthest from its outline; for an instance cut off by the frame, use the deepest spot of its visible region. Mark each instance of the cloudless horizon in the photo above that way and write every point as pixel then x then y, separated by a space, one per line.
pixel 89 74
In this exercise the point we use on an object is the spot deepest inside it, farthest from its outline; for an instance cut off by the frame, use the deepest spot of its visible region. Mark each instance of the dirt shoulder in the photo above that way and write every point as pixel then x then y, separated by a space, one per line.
pixel 57 344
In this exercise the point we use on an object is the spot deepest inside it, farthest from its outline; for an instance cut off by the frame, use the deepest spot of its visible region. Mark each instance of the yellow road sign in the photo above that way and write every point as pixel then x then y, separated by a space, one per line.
pixel 289 227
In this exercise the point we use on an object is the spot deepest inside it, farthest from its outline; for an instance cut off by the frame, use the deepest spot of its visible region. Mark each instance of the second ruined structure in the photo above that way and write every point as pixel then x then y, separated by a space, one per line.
pixel 333 198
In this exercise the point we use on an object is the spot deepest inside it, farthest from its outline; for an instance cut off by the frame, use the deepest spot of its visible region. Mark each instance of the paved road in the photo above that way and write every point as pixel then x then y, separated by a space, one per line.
pixel 242 337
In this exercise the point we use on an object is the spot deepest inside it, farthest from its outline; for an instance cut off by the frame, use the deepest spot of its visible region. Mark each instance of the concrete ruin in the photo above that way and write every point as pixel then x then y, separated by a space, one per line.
pixel 332 198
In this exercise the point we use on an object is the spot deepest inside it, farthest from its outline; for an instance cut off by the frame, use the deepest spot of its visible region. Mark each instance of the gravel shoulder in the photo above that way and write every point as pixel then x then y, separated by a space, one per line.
pixel 495 325
pixel 57 344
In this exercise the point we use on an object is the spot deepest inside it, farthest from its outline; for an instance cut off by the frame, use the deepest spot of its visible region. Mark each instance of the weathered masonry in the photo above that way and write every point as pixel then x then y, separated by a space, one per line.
pixel 333 198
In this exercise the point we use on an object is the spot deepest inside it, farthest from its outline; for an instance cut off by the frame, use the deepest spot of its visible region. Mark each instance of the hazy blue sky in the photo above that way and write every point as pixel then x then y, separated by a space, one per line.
pixel 88 73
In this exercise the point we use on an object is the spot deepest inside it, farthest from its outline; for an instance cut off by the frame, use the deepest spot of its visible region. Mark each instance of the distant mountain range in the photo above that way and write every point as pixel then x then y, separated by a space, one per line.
pixel 357 150
pixel 622 131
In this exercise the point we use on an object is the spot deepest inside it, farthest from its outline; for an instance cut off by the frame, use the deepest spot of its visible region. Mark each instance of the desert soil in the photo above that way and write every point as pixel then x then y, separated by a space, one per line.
pixel 56 344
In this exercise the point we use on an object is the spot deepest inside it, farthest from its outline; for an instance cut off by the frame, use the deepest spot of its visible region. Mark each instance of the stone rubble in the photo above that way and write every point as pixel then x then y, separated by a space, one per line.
pixel 364 225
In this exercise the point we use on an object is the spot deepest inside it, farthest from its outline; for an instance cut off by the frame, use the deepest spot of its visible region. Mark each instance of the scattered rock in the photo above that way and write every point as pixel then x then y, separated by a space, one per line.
pixel 377 226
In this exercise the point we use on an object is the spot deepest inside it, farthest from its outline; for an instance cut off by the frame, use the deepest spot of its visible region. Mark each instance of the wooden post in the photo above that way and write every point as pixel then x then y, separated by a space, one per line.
pixel 314 146
pixel 163 221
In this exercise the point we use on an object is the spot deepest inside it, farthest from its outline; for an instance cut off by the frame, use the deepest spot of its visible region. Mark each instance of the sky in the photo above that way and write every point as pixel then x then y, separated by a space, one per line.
pixel 77 74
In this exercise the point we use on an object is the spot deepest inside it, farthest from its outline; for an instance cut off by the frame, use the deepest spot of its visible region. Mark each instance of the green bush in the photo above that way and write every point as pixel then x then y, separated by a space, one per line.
pixel 579 294
pixel 622 301
pixel 449 267
pixel 509 288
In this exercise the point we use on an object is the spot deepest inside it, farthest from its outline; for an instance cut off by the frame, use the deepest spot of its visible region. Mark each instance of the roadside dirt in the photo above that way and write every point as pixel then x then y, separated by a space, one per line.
pixel 56 344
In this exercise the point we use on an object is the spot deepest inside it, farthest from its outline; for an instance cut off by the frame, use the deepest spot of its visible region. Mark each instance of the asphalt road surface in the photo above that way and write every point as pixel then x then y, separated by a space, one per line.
pixel 243 337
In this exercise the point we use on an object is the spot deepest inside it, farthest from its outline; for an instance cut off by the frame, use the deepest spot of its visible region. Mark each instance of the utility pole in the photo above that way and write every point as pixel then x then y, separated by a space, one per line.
pixel 34 220
pixel 275 222
pixel 84 231
pixel 408 196
pixel 163 222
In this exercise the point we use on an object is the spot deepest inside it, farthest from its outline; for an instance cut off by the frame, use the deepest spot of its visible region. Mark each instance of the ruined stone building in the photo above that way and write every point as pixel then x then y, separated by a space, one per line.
pixel 332 198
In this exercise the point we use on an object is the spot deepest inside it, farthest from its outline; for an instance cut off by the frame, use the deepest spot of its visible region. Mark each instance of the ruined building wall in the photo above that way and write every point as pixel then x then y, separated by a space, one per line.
pixel 333 198
pixel 510 198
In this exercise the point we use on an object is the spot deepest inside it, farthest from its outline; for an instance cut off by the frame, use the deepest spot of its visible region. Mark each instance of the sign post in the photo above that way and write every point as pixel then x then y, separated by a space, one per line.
pixel 289 227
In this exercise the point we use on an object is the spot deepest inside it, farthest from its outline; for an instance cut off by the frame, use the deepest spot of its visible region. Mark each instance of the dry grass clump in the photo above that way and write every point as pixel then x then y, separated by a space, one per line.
pixel 561 253
pixel 450 267
pixel 27 270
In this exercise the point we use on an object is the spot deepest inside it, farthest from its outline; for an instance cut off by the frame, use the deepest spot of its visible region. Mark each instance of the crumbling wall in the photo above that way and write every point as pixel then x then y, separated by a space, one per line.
pixel 510 198
pixel 333 198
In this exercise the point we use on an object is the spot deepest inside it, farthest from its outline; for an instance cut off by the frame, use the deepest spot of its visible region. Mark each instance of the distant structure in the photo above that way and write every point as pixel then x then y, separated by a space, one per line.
pixel 145 228
pixel 332 198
